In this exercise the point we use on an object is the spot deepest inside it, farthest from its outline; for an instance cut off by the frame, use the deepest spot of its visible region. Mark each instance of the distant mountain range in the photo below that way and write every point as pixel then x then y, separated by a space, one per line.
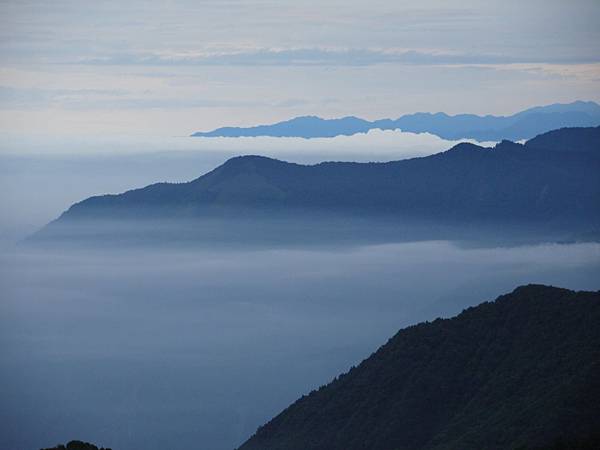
pixel 522 372
pixel 523 125
pixel 549 184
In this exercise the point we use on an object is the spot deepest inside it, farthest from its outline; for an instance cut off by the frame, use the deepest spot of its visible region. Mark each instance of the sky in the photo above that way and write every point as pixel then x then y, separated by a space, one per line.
pixel 172 67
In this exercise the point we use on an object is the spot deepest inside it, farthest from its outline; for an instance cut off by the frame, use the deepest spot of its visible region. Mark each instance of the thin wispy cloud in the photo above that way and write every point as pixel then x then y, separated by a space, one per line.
pixel 11 97
pixel 315 57
pixel 115 99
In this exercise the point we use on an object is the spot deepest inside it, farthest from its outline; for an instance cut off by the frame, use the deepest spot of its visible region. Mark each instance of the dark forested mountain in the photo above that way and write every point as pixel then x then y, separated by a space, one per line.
pixel 521 372
pixel 550 183
pixel 77 445
pixel 523 125
pixel 571 140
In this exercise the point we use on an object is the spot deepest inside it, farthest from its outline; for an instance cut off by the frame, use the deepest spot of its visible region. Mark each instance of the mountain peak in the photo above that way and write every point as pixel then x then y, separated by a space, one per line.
pixel 248 158
pixel 250 164
pixel 465 148
pixel 304 118
pixel 252 161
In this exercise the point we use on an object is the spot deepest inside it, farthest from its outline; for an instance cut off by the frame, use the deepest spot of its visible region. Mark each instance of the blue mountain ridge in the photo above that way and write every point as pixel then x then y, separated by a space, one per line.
pixel 549 184
pixel 523 125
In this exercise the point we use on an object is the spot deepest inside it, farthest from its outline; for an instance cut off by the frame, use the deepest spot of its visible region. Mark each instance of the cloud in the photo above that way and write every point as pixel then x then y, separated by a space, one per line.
pixel 316 56
pixel 102 99
pixel 376 145
pixel 580 72
pixel 14 97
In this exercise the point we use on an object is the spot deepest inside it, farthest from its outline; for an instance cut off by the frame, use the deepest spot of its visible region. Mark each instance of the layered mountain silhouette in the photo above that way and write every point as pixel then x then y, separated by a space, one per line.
pixel 521 372
pixel 523 125
pixel 549 184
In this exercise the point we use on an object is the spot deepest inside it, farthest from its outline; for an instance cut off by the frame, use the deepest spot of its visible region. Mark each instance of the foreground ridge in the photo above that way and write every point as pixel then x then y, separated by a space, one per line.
pixel 520 372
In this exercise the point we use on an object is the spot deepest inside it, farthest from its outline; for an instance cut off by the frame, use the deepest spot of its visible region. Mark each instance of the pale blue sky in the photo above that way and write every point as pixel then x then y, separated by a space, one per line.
pixel 174 67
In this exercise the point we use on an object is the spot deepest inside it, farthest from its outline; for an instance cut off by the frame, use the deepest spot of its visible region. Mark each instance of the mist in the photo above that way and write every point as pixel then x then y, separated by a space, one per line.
pixel 170 348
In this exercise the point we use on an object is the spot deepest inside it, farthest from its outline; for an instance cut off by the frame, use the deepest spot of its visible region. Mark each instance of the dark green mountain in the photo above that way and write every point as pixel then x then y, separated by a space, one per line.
pixel 549 186
pixel 523 125
pixel 521 372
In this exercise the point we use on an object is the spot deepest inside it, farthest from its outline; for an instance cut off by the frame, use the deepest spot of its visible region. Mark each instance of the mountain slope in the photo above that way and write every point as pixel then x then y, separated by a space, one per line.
pixel 570 139
pixel 548 189
pixel 519 372
pixel 523 125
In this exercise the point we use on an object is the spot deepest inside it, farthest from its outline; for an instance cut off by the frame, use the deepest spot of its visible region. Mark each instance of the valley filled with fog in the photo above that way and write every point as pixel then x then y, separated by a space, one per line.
pixel 150 348
pixel 146 348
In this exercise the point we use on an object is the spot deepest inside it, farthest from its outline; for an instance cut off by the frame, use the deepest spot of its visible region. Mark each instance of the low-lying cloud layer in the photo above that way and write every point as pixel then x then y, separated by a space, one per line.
pixel 148 349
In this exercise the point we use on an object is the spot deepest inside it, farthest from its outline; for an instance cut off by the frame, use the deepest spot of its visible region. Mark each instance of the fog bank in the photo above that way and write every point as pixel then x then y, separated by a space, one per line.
pixel 194 349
